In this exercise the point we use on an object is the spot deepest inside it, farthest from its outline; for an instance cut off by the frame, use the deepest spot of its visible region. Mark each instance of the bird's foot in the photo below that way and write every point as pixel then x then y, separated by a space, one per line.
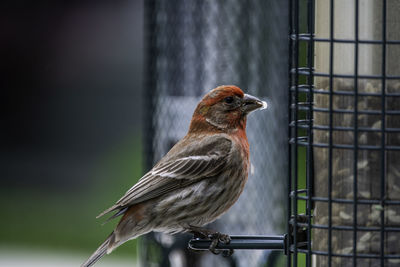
pixel 216 238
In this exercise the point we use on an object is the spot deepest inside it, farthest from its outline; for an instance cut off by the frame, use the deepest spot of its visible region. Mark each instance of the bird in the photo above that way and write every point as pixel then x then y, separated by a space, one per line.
pixel 196 182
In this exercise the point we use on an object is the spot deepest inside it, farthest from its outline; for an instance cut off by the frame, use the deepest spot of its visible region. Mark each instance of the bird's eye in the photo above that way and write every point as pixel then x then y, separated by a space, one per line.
pixel 228 99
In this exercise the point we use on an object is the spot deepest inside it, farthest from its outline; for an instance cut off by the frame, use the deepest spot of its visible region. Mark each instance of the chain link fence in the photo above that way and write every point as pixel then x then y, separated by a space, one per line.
pixel 192 47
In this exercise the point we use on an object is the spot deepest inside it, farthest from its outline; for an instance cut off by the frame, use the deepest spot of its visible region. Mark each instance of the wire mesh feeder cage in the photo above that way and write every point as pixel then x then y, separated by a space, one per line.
pixel 194 46
pixel 344 133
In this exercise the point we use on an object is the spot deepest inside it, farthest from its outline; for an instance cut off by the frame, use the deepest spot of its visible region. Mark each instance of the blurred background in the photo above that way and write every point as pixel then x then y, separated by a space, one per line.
pixel 192 47
pixel 71 126
pixel 95 93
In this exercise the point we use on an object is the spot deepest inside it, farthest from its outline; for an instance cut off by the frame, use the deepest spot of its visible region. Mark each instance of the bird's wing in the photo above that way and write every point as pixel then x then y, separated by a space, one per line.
pixel 173 173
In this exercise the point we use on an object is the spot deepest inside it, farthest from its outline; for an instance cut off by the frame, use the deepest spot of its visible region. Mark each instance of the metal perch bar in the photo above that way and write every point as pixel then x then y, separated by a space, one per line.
pixel 275 242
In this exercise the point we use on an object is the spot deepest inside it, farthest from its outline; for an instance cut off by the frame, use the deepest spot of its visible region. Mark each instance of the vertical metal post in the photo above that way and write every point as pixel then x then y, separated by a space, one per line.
pixel 290 149
pixel 150 82
pixel 383 137
pixel 330 158
pixel 148 96
pixel 296 118
pixel 355 133
pixel 309 119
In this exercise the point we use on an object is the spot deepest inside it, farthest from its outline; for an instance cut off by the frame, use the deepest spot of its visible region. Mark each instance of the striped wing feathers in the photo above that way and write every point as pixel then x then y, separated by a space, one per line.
pixel 175 173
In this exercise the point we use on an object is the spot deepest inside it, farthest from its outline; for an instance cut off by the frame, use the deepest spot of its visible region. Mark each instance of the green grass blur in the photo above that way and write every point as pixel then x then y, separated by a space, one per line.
pixel 66 221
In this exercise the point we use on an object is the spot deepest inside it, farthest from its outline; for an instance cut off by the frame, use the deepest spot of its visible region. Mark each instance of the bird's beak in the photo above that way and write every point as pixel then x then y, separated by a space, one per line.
pixel 251 103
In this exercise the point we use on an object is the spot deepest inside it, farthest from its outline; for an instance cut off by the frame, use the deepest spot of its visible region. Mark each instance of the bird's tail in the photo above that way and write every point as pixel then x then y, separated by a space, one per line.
pixel 100 252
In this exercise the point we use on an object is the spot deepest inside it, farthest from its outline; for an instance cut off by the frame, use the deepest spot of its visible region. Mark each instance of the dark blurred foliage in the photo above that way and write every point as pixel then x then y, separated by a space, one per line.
pixel 71 82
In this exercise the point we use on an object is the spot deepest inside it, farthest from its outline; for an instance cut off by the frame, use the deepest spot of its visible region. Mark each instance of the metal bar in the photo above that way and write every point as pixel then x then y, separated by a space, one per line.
pixel 289 188
pixel 305 71
pixel 350 201
pixel 370 112
pixel 243 242
pixel 383 136
pixel 295 160
pixel 305 89
pixel 365 256
pixel 344 128
pixel 306 37
pixel 150 82
pixel 330 147
pixel 309 119
pixel 343 146
pixel 355 133
pixel 350 227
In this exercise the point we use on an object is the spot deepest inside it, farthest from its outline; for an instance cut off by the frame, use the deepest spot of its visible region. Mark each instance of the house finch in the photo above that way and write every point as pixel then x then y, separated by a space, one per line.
pixel 198 180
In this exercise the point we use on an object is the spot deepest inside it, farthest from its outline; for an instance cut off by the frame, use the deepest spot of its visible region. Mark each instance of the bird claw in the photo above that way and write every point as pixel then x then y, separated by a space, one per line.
pixel 223 238
pixel 215 238
pixel 227 252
